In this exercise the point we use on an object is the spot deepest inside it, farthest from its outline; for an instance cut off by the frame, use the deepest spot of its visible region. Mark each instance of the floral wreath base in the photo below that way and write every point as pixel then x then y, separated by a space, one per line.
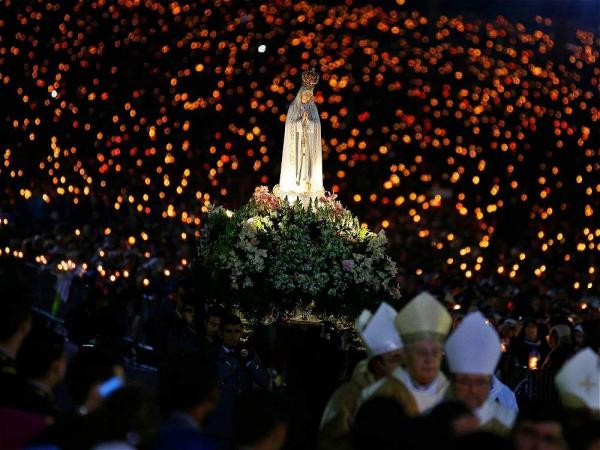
pixel 272 258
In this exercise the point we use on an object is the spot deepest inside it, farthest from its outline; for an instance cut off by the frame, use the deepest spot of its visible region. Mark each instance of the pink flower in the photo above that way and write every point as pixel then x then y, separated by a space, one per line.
pixel 329 200
pixel 265 199
pixel 328 197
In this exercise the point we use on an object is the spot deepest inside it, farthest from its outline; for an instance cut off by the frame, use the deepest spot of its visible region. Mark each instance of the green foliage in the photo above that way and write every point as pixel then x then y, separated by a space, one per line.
pixel 272 256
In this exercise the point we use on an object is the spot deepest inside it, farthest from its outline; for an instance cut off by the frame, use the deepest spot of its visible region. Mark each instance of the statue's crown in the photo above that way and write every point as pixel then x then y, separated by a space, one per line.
pixel 310 78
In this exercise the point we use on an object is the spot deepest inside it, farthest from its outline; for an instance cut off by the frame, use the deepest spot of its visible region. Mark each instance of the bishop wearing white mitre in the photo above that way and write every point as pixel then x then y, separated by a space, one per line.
pixel 384 350
pixel 473 351
pixel 423 325
pixel 578 382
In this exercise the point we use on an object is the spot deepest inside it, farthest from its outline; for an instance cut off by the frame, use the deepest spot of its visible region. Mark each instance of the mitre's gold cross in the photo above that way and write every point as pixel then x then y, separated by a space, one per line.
pixel 587 384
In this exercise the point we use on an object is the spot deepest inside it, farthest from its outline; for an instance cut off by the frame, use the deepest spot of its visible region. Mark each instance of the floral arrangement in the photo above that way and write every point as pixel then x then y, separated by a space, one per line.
pixel 271 257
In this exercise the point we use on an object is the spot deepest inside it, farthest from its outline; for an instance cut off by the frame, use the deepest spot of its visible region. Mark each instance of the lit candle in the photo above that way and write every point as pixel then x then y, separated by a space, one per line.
pixel 533 362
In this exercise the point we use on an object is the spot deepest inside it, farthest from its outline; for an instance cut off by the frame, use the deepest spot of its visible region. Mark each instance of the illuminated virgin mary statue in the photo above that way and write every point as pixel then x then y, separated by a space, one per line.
pixel 302 161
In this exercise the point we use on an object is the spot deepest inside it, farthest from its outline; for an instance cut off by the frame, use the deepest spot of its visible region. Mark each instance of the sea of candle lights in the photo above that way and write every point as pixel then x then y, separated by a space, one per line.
pixel 472 142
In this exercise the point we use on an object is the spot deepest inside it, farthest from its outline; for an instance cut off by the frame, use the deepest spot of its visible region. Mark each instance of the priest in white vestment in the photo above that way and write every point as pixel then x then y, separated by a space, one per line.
pixel 473 351
pixel 423 325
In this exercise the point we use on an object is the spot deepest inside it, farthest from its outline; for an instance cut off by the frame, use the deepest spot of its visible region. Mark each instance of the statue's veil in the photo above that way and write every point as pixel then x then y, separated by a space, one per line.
pixel 287 181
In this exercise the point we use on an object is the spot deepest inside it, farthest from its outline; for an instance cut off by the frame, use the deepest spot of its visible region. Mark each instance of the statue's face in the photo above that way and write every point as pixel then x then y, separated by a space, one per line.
pixel 306 96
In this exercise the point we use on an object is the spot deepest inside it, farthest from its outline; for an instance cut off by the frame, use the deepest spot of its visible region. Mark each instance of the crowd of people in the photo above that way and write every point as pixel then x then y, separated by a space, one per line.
pixel 198 387
pixel 471 141
pixel 127 121
pixel 425 377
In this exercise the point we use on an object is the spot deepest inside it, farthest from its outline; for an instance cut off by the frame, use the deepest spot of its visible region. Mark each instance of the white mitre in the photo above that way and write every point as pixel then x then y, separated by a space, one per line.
pixel 473 347
pixel 579 379
pixel 423 318
pixel 378 331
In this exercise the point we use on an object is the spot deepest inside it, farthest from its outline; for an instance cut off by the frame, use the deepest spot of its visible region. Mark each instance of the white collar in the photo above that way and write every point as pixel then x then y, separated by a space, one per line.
pixel 403 376
pixel 485 412
pixel 494 410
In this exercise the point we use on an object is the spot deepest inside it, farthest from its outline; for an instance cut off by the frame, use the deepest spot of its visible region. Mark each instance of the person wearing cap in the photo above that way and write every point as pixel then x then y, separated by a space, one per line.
pixel 473 351
pixel 384 349
pixel 508 330
pixel 578 382
pixel 423 325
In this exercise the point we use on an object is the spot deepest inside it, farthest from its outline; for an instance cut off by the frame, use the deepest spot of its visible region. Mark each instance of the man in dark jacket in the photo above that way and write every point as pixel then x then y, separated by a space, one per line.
pixel 239 370
pixel 17 426
pixel 188 392
pixel 15 325
pixel 42 361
